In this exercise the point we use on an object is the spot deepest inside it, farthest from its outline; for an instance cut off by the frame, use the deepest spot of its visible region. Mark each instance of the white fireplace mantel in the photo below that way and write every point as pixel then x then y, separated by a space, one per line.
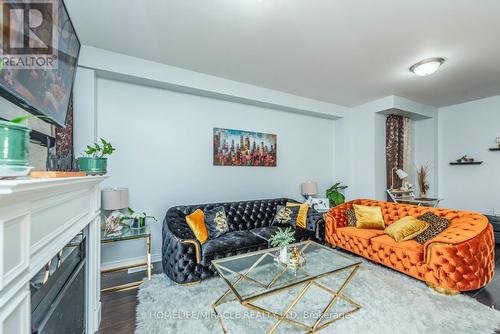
pixel 38 217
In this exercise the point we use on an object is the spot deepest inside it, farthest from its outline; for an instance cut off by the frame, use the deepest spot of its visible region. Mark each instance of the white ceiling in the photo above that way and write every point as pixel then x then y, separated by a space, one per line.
pixel 342 51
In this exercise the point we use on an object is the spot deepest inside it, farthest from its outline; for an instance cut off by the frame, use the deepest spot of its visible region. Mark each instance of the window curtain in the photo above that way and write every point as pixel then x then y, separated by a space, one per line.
pixel 407 145
pixel 397 148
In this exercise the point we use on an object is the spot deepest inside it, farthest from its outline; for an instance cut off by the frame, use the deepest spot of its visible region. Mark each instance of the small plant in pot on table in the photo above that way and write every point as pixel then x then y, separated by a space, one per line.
pixel 95 161
pixel 137 220
pixel 281 239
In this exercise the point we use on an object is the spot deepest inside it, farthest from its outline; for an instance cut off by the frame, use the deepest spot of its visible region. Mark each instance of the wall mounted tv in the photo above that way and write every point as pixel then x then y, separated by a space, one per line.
pixel 40 51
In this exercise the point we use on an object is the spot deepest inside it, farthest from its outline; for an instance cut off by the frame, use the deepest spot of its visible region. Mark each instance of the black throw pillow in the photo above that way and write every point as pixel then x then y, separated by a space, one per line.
pixel 216 222
pixel 286 215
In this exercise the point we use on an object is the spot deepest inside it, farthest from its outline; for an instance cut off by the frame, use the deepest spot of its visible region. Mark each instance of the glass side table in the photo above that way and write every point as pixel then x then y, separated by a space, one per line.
pixel 129 234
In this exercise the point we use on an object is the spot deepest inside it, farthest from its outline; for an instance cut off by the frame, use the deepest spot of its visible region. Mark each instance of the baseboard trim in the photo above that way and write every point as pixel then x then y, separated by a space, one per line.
pixel 129 261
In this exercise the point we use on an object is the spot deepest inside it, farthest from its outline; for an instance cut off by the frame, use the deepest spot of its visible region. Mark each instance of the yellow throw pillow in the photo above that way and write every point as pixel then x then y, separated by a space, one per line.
pixel 406 228
pixel 196 222
pixel 302 215
pixel 369 217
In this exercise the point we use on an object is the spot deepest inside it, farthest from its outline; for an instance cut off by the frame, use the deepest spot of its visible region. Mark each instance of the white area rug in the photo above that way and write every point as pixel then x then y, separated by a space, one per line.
pixel 392 303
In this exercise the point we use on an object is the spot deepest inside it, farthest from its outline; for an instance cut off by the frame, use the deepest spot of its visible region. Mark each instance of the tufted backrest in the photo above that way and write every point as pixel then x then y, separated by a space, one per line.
pixel 244 215
pixel 464 225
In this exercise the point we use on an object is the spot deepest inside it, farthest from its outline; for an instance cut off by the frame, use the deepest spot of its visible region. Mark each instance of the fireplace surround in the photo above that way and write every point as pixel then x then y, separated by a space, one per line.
pixel 38 218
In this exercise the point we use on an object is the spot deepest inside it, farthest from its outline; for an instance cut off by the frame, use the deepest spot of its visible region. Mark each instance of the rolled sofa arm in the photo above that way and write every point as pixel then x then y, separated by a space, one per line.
pixel 181 252
pixel 336 218
pixel 463 256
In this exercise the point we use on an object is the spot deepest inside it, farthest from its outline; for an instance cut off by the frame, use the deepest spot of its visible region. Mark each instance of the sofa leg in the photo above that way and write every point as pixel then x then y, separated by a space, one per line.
pixel 442 290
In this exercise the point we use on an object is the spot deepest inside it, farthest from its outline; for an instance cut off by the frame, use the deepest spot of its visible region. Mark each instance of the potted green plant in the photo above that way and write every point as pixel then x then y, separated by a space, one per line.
pixel 335 197
pixel 281 239
pixel 94 162
pixel 14 147
pixel 137 220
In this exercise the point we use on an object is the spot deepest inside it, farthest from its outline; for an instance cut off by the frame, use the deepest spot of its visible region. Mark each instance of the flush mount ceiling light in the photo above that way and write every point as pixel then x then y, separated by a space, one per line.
pixel 426 66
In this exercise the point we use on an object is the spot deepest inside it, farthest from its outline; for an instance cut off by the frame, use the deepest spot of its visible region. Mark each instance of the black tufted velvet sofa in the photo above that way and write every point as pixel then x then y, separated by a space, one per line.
pixel 186 261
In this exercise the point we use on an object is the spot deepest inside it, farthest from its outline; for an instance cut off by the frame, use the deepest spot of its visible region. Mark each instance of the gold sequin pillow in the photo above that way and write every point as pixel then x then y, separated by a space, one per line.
pixel 216 222
pixel 286 215
pixel 369 217
pixel 406 228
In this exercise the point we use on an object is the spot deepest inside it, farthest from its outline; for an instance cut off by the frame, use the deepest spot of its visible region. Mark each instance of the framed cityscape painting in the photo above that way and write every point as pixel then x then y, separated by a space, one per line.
pixel 244 148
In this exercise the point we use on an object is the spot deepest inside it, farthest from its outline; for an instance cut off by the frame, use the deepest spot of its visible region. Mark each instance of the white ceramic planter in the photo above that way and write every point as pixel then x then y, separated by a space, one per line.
pixel 284 254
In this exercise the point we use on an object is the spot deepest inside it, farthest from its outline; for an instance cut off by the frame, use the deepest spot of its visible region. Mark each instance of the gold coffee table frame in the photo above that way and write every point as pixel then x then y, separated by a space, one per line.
pixel 307 281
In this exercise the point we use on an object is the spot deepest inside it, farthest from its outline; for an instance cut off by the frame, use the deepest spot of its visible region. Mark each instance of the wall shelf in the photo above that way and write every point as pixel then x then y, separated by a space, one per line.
pixel 495 149
pixel 466 163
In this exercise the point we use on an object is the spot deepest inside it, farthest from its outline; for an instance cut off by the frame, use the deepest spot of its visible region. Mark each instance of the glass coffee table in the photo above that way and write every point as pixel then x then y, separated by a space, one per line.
pixel 256 275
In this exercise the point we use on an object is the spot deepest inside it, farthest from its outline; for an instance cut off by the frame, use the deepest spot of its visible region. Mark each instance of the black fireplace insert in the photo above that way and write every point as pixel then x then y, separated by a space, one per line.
pixel 58 292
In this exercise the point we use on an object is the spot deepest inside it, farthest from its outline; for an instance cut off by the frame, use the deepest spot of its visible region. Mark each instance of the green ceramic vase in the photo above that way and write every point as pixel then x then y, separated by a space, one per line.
pixel 93 166
pixel 14 144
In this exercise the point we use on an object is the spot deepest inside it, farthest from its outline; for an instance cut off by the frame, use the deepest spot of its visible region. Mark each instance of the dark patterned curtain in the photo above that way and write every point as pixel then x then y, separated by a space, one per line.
pixel 394 148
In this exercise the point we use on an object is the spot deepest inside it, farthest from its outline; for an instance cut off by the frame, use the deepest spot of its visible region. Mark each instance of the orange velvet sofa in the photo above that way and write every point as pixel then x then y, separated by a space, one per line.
pixel 460 258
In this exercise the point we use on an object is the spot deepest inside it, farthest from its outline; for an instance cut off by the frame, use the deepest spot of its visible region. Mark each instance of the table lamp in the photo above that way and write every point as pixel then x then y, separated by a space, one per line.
pixel 114 199
pixel 308 190
pixel 400 173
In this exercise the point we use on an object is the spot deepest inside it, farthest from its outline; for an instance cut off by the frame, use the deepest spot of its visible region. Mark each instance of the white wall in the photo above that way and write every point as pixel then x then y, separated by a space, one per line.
pixel 362 157
pixel 164 152
pixel 342 154
pixel 380 157
pixel 470 128
pixel 425 152
pixel 131 69
pixel 84 106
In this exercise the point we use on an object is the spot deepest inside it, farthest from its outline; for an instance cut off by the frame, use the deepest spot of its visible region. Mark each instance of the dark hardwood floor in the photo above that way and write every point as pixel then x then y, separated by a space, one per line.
pixel 118 308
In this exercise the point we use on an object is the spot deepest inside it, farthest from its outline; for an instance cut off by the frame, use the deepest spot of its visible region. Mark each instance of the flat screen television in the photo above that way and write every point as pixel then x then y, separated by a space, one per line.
pixel 44 90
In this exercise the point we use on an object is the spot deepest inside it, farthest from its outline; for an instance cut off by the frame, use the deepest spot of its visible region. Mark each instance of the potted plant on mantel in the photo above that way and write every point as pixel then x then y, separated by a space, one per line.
pixel 14 148
pixel 95 161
